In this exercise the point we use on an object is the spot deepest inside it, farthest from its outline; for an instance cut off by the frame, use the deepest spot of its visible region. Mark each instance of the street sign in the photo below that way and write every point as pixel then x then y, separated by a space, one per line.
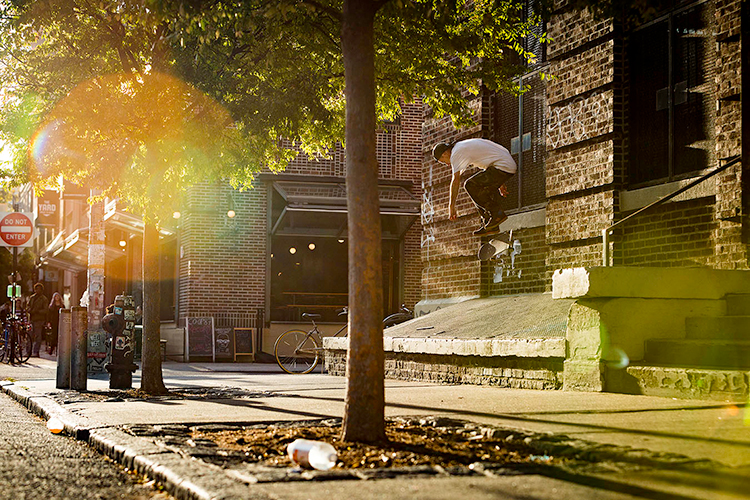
pixel 14 291
pixel 16 229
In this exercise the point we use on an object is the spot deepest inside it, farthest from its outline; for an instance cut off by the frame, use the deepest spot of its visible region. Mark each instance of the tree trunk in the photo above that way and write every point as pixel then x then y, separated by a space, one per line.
pixel 364 417
pixel 151 378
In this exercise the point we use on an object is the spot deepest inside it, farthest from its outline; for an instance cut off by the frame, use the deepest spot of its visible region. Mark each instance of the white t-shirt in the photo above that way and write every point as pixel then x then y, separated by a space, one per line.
pixel 481 153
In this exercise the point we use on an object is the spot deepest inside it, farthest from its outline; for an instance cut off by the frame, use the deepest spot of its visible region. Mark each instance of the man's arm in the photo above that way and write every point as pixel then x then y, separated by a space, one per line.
pixel 455 184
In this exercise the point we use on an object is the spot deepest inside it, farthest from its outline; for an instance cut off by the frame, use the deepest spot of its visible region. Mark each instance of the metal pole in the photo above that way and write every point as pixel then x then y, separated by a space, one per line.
pixel 520 141
pixel 79 355
pixel 64 350
pixel 605 247
pixel 15 266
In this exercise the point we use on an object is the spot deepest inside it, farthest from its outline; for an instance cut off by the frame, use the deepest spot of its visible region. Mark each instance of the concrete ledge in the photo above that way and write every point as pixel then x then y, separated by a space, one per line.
pixel 648 283
pixel 688 383
pixel 517 347
pixel 427 306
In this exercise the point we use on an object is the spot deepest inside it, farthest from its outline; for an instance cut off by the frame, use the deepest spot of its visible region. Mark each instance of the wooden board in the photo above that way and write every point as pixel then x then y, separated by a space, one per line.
pixel 244 342
pixel 224 342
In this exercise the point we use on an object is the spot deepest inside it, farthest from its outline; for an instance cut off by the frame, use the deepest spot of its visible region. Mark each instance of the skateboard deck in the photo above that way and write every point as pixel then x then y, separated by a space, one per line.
pixel 495 246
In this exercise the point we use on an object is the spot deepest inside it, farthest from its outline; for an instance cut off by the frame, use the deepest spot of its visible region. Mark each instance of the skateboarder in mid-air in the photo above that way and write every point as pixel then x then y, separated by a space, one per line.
pixel 484 187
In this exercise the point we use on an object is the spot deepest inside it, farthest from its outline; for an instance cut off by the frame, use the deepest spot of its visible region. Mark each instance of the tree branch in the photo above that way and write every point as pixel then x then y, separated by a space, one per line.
pixel 336 14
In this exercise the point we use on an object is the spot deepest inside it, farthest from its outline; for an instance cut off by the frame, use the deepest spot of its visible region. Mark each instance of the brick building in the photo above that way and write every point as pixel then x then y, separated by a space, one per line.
pixel 285 250
pixel 632 113
pixel 256 258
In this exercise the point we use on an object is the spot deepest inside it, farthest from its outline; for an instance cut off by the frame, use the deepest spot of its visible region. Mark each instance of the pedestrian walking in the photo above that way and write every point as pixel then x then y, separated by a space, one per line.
pixel 53 317
pixel 37 308
pixel 486 187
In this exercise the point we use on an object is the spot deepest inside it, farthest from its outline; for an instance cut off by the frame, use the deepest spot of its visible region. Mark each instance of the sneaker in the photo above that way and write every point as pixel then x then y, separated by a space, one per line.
pixel 493 225
pixel 480 231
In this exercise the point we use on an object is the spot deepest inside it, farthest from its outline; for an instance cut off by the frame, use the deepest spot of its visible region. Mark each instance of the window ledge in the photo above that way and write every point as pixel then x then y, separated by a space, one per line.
pixel 639 198
pixel 524 219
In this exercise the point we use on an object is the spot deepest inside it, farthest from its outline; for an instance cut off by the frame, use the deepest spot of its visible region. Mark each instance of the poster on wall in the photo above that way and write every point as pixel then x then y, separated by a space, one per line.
pixel 224 343
pixel 199 338
pixel 48 209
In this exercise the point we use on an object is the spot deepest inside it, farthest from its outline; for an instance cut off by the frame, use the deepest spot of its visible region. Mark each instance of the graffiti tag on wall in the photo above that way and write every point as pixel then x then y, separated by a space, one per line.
pixel 577 120
pixel 427 212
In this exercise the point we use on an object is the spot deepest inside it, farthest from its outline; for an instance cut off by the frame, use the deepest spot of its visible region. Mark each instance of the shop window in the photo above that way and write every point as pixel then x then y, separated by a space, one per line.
pixel 671 95
pixel 308 274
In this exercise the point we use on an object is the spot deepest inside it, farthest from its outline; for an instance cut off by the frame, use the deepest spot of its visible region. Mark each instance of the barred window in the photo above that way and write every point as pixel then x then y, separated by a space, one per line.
pixel 520 125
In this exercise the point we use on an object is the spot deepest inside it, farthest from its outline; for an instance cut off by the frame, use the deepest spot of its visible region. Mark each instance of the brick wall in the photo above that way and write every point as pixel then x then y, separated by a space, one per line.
pixel 729 252
pixel 586 169
pixel 678 235
pixel 222 262
pixel 510 372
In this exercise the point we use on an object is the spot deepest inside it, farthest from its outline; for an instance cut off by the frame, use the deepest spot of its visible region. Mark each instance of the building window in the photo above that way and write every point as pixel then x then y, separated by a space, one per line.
pixel 309 246
pixel 532 44
pixel 519 124
pixel 671 95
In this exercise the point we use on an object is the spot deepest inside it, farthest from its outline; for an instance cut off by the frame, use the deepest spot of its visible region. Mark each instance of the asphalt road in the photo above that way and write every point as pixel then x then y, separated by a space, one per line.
pixel 34 464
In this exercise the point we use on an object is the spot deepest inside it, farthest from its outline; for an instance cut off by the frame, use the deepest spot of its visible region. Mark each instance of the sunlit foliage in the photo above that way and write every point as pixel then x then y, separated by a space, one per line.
pixel 119 95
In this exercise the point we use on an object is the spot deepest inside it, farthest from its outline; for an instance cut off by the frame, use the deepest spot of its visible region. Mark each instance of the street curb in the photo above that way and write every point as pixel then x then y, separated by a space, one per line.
pixel 207 482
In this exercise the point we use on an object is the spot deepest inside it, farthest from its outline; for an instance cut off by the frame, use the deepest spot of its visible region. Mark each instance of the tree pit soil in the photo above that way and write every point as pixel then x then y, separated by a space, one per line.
pixel 409 443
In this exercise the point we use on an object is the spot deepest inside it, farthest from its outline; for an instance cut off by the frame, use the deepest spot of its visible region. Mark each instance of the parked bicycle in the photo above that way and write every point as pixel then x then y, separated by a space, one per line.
pixel 15 342
pixel 297 351
pixel 404 314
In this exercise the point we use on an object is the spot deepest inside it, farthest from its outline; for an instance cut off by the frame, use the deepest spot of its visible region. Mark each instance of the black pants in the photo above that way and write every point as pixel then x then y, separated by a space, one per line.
pixel 483 188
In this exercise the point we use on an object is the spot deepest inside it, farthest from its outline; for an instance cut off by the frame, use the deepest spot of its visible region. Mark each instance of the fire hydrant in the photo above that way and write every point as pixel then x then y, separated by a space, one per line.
pixel 121 367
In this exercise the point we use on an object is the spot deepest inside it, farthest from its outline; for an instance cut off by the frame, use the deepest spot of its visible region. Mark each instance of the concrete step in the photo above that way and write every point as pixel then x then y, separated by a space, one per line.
pixel 738 304
pixel 721 354
pixel 681 382
pixel 722 328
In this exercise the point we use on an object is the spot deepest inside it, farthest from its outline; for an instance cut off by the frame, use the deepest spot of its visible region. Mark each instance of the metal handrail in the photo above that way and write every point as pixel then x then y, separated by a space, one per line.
pixel 606 254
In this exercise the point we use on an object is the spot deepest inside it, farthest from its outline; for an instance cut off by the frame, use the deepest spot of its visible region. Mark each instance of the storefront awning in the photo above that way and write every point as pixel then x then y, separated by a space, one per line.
pixel 71 251
pixel 115 217
pixel 312 205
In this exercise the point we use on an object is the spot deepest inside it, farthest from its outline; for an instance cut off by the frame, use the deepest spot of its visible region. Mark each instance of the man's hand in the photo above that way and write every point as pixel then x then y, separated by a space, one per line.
pixel 503 191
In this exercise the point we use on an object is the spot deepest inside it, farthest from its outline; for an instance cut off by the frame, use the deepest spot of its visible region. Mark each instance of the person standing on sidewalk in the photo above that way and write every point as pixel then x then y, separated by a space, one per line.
pixel 37 309
pixel 485 187
pixel 53 319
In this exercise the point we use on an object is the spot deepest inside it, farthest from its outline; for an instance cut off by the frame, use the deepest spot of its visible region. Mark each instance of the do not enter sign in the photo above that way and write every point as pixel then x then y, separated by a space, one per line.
pixel 16 229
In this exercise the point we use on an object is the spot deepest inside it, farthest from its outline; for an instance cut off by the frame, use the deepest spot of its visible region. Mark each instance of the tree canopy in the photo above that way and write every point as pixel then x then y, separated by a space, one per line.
pixel 123 76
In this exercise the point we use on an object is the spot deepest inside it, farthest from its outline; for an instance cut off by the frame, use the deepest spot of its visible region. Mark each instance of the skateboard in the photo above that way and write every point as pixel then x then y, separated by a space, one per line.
pixel 495 246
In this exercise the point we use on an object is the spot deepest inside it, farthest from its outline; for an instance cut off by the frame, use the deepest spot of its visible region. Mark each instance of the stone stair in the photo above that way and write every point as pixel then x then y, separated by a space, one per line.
pixel 711 362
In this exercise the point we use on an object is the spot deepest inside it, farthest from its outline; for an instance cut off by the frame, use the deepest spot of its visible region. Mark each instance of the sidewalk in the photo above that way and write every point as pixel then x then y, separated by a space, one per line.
pixel 715 435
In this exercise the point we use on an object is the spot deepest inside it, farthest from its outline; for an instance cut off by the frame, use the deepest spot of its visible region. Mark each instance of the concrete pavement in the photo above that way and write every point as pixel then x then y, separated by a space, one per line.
pixel 659 431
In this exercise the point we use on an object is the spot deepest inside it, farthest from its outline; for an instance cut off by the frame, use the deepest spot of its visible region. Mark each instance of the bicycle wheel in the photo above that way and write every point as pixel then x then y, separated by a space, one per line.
pixel 296 351
pixel 395 319
pixel 23 347
pixel 2 347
